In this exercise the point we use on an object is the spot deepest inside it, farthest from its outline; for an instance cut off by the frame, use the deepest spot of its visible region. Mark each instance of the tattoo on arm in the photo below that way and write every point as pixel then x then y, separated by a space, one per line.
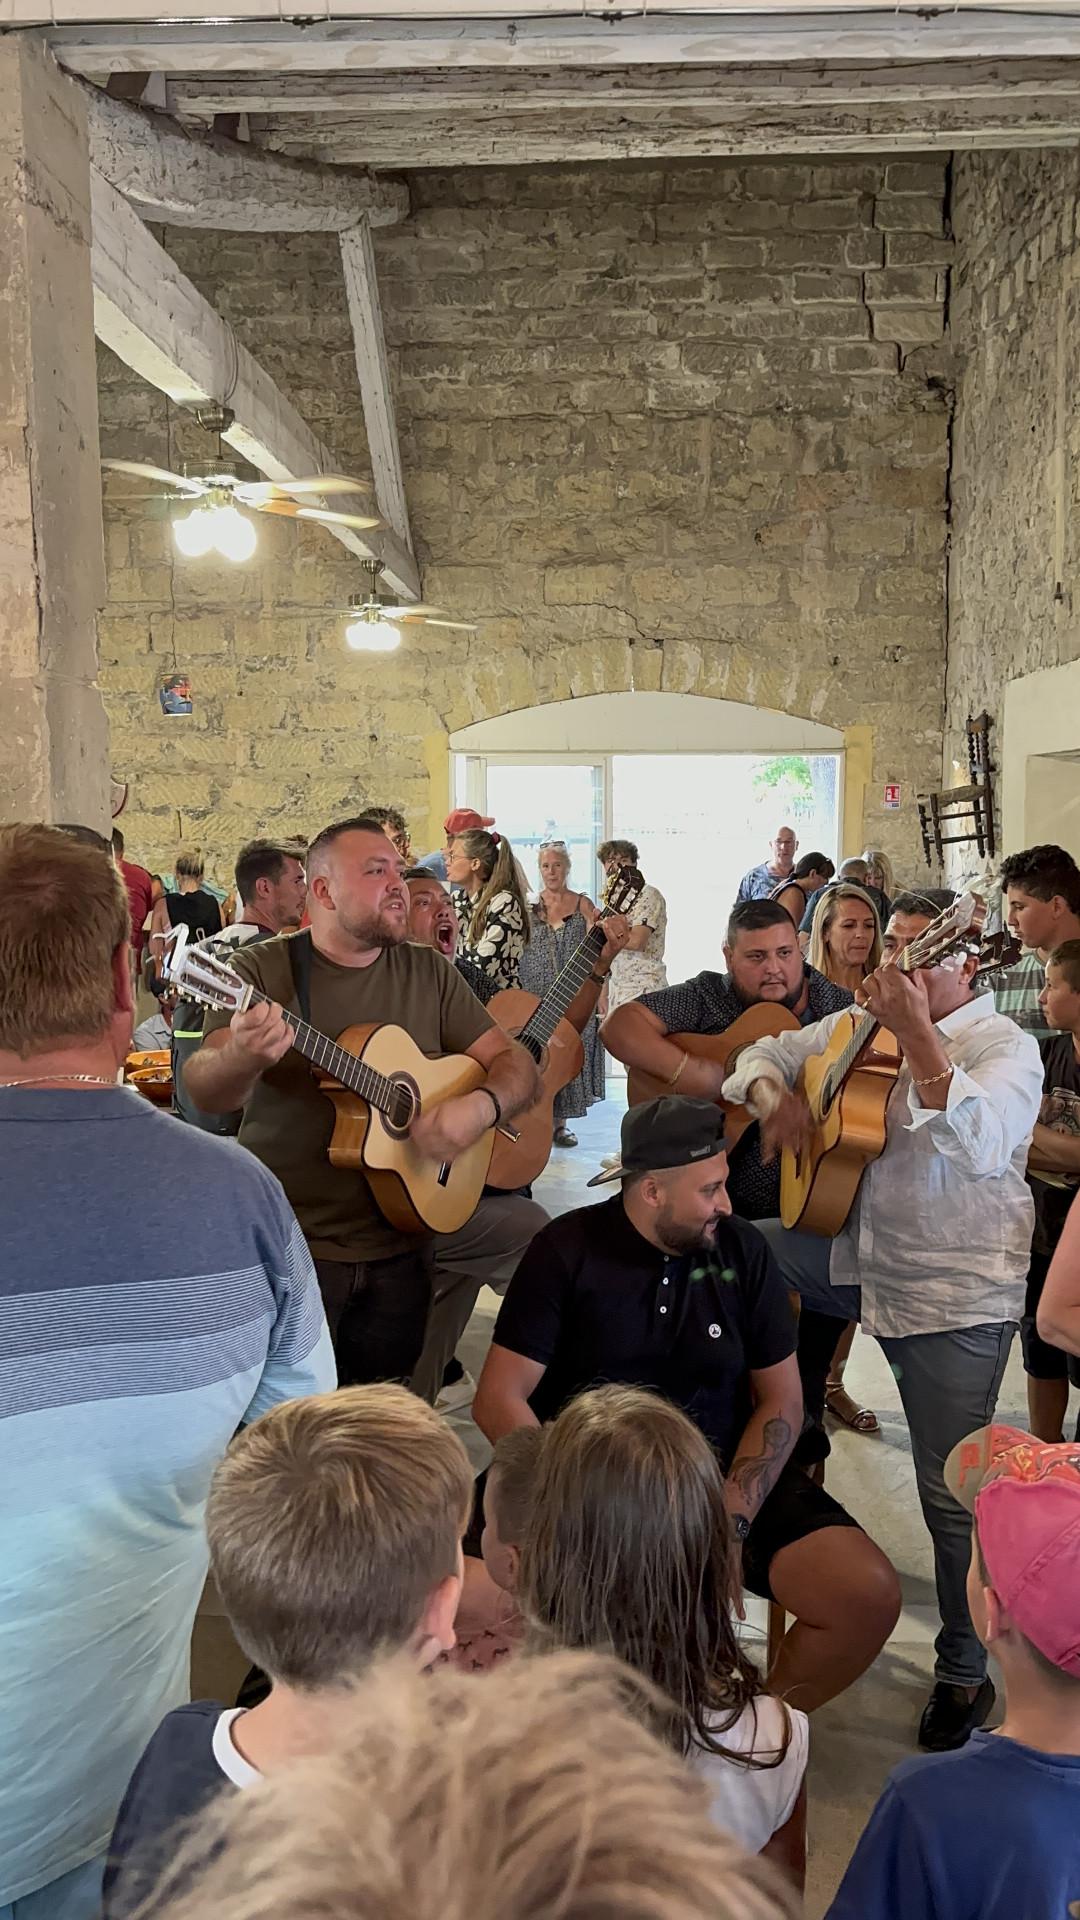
pixel 754 1475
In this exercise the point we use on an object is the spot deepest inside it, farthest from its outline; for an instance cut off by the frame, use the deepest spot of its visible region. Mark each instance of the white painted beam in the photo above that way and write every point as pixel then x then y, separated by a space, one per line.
pixel 373 372
pixel 214 182
pixel 160 325
pixel 690 39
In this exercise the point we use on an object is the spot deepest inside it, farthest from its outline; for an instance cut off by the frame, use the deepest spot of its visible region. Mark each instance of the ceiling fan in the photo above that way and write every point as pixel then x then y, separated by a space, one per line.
pixel 217 520
pixel 375 627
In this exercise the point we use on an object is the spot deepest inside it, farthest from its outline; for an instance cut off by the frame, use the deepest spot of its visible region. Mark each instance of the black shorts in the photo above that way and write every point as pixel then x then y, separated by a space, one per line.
pixel 796 1508
pixel 1041 1360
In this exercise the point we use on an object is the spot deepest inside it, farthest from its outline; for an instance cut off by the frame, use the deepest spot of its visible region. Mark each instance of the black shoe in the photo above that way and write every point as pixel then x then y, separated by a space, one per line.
pixel 950 1718
pixel 564 1138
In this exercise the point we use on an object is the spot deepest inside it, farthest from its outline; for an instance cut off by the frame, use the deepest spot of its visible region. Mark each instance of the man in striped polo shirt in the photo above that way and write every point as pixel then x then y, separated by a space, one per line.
pixel 130 1354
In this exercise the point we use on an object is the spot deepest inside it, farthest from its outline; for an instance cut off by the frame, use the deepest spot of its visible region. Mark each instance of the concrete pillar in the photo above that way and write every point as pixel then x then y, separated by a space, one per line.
pixel 54 762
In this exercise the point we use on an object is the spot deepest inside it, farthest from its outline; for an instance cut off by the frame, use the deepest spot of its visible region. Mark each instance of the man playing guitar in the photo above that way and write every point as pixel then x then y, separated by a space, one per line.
pixel 765 966
pixel 934 1253
pixel 354 966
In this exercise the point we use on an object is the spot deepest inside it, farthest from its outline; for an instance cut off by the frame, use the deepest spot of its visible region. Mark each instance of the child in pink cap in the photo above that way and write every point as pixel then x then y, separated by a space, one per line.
pixel 991 1831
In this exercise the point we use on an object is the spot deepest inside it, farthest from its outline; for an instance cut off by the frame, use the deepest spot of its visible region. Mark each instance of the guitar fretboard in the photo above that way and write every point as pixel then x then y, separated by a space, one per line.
pixel 347 1068
pixel 564 989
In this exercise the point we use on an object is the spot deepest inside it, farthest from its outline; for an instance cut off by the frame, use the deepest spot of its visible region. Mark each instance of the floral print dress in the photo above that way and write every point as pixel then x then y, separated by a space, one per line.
pixel 498 950
pixel 545 956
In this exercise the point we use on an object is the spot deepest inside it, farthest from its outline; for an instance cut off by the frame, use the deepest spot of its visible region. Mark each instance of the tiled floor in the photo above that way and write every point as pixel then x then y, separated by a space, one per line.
pixel 857 1739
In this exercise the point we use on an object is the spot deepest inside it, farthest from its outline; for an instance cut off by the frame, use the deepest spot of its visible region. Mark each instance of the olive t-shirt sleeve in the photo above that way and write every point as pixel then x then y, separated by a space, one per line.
pixel 463 1019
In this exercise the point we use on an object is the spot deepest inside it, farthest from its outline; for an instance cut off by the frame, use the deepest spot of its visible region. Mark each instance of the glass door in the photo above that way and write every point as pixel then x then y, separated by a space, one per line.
pixel 537 800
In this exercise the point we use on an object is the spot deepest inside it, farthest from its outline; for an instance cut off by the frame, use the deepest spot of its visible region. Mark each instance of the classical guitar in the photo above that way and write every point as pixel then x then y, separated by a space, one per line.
pixel 378 1082
pixel 541 1027
pixel 760 1022
pixel 848 1087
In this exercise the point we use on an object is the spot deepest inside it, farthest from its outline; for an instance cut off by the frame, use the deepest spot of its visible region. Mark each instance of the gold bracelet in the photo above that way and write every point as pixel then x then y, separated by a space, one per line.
pixel 674 1079
pixel 932 1079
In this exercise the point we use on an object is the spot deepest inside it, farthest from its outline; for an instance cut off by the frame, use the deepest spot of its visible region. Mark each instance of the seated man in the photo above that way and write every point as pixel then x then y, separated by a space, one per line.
pixel 662 1288
pixel 934 1254
pixel 764 965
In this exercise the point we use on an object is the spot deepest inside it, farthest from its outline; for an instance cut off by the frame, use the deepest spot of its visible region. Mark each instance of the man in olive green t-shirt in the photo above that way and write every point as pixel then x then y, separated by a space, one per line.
pixel 376 1281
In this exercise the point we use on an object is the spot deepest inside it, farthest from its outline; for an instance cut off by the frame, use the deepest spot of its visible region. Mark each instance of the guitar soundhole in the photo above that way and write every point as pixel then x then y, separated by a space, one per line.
pixel 406 1106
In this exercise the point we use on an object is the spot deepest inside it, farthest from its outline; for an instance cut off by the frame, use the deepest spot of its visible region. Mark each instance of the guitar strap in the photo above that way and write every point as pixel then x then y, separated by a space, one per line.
pixel 300 965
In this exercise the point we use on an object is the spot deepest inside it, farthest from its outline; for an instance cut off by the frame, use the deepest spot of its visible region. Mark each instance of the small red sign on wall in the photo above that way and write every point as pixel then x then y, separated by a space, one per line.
pixel 891 796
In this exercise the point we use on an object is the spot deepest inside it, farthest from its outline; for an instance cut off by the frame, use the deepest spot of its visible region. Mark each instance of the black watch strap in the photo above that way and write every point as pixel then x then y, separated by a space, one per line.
pixel 495 1103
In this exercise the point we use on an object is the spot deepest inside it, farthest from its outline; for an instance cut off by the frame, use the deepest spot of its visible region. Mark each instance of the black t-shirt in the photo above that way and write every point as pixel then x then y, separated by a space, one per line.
pixel 1061 1074
pixel 595 1303
pixel 176 1778
pixel 199 912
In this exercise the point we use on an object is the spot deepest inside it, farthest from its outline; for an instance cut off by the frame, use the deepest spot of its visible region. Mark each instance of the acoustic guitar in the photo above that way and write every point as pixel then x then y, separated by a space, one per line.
pixel 540 1026
pixel 849 1085
pixel 760 1022
pixel 378 1082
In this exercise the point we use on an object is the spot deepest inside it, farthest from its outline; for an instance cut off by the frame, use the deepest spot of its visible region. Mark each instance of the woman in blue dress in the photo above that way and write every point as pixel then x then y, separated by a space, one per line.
pixel 560 919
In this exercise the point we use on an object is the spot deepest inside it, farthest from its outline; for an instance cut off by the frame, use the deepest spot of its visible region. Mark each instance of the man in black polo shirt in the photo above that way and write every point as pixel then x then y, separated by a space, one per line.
pixel 662 1288
pixel 765 964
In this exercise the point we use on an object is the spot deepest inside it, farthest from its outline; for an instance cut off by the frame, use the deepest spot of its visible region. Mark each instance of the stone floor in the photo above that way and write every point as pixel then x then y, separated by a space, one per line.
pixel 857 1739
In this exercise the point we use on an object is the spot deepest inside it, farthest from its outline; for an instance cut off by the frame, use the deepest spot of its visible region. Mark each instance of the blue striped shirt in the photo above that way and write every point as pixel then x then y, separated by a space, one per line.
pixel 129 1354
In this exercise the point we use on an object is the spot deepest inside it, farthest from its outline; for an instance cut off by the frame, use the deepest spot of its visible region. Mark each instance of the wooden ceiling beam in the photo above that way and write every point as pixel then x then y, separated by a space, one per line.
pixel 160 325
pixel 211 181
pixel 707 39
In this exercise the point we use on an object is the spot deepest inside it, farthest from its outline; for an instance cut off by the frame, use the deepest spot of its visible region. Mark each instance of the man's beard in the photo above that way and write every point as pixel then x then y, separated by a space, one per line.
pixel 376 930
pixel 679 1239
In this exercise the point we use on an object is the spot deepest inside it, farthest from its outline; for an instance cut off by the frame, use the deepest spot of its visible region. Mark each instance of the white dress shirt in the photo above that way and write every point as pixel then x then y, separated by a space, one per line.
pixel 939 1236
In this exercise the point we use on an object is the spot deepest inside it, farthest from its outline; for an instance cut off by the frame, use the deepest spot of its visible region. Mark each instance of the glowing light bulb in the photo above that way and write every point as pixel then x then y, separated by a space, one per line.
pixel 372 636
pixel 234 535
pixel 194 532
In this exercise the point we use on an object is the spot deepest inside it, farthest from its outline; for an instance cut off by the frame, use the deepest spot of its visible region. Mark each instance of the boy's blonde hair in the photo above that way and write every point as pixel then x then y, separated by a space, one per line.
pixel 63 914
pixel 531 1793
pixel 331 1521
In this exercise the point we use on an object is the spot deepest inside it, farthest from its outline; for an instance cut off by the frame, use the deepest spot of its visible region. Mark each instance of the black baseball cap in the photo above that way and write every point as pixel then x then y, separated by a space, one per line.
pixel 672 1132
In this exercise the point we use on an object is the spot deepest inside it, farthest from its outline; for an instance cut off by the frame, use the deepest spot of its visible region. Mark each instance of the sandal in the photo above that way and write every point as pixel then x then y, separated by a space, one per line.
pixel 564 1138
pixel 840 1404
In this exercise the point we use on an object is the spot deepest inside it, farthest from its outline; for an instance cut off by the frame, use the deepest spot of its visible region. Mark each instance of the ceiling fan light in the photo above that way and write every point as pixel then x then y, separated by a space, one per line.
pixel 234 534
pixel 372 636
pixel 194 532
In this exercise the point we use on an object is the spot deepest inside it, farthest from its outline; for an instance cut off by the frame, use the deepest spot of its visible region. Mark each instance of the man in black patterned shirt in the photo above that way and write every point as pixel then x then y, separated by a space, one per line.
pixel 764 965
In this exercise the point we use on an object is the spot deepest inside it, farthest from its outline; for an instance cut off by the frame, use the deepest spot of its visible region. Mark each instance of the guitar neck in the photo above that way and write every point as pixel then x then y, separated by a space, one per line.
pixel 564 989
pixel 341 1065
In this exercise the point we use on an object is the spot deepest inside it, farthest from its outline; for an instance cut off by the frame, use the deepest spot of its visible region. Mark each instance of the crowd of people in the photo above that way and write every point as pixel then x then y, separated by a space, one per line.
pixel 527 1691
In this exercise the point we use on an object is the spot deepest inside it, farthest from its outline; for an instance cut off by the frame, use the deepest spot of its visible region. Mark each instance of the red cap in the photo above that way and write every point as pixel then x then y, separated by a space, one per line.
pixel 1025 1495
pixel 464 820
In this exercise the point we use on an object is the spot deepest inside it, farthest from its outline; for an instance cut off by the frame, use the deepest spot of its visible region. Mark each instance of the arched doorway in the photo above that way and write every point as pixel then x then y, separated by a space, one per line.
pixel 700 784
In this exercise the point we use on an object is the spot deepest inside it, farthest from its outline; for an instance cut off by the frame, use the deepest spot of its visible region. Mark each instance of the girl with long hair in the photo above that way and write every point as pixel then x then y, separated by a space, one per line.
pixel 629 1550
pixel 490 903
pixel 560 920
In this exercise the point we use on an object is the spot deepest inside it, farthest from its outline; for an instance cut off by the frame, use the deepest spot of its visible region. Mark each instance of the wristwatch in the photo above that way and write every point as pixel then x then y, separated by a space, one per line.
pixel 742 1527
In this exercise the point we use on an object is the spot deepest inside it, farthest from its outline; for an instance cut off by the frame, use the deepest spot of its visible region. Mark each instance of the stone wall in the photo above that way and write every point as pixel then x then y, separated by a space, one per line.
pixel 662 426
pixel 1015 322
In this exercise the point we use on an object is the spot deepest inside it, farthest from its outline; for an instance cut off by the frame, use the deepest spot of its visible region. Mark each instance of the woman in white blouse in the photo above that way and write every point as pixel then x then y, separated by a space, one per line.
pixel 491 908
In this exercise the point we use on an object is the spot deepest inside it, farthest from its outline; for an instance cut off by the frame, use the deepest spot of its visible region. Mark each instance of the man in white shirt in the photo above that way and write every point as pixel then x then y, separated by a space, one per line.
pixel 934 1254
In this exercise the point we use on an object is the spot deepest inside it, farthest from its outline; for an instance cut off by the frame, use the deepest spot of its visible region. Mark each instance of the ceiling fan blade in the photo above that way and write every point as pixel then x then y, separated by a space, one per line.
pixel 417 612
pixel 455 626
pixel 145 472
pixel 325 519
pixel 313 483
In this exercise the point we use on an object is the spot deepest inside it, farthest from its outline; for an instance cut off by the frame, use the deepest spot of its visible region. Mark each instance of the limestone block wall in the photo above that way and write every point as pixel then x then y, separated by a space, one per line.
pixel 1015 322
pixel 676 427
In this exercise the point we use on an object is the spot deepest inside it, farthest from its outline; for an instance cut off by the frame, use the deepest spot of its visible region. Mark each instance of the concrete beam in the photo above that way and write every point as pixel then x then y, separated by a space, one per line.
pixel 588 41
pixel 214 182
pixel 369 343
pixel 54 761
pixel 159 324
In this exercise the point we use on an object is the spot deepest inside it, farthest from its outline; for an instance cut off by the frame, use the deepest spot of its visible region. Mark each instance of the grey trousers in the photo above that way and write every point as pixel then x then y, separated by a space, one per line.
pixel 483 1253
pixel 949 1384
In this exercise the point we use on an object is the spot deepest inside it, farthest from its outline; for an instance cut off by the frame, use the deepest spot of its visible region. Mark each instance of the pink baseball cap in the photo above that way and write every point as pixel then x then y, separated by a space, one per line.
pixel 1025 1495
pixel 464 820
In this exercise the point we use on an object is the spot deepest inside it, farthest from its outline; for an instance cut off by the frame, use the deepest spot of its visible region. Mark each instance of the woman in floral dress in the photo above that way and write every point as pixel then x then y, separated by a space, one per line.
pixel 492 911
pixel 560 920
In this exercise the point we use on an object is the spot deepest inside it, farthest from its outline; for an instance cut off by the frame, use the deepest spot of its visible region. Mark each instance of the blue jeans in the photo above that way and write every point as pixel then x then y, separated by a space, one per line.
pixel 75 1896
pixel 949 1385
